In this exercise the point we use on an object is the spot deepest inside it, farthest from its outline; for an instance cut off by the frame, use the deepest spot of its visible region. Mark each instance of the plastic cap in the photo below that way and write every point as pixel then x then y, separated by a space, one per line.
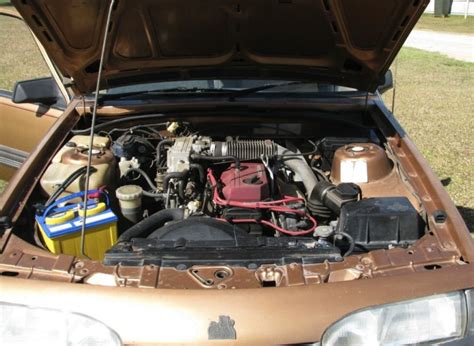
pixel 71 144
pixel 92 209
pixel 129 192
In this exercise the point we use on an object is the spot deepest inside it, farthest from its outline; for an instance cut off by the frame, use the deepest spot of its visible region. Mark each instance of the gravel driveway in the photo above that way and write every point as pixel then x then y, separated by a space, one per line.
pixel 457 46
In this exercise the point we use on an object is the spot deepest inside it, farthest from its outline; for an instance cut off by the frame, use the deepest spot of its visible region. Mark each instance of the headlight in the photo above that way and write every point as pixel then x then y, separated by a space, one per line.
pixel 470 315
pixel 24 325
pixel 433 319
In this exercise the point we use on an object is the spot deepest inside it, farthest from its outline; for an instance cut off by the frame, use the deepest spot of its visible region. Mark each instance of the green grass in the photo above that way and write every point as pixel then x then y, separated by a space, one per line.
pixel 452 23
pixel 434 105
pixel 18 61
pixel 455 24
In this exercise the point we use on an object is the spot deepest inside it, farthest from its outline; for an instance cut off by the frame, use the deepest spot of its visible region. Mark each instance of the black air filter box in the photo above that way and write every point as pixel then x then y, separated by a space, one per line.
pixel 376 223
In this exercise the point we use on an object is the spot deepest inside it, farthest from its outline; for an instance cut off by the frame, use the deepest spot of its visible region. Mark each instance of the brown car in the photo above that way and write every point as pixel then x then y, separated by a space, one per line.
pixel 227 172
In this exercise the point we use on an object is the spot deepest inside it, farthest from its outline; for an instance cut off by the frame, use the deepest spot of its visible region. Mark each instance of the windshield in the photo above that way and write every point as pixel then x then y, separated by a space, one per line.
pixel 261 86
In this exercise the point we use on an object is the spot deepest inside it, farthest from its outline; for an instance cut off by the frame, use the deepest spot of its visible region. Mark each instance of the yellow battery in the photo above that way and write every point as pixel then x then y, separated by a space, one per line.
pixel 60 227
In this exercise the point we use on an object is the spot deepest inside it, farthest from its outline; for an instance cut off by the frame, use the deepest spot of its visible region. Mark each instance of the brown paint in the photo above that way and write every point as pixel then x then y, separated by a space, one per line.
pixel 150 304
pixel 439 262
pixel 22 126
pixel 23 182
pixel 378 164
pixel 176 39
pixel 262 316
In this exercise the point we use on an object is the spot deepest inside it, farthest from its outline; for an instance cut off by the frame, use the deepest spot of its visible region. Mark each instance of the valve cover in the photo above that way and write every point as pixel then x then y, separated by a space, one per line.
pixel 249 184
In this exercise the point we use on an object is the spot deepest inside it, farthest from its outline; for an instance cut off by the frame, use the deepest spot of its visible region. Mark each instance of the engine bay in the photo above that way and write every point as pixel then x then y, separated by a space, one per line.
pixel 171 195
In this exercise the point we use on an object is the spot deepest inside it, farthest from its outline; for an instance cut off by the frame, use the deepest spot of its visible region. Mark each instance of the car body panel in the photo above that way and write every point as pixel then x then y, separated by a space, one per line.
pixel 170 314
pixel 349 43
pixel 22 126
pixel 25 179
pixel 158 305
pixel 288 315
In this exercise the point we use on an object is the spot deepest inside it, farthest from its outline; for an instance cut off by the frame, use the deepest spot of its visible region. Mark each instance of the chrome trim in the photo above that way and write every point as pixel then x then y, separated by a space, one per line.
pixel 12 157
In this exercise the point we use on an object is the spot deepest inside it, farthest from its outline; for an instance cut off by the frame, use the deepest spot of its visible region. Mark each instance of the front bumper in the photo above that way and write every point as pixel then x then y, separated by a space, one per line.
pixel 285 315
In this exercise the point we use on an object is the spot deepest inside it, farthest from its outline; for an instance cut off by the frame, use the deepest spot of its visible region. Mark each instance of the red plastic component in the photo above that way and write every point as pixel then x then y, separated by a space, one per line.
pixel 249 184
pixel 273 205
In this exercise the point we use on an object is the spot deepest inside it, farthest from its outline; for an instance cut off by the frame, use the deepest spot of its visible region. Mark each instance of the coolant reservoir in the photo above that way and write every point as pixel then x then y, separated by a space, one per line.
pixel 360 163
pixel 72 156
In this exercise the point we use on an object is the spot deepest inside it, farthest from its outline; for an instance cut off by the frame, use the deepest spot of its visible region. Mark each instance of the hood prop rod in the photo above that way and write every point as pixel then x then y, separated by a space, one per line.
pixel 92 128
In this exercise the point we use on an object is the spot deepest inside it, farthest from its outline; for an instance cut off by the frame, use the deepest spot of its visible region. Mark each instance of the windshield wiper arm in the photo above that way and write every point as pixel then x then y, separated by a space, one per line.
pixel 107 97
pixel 257 89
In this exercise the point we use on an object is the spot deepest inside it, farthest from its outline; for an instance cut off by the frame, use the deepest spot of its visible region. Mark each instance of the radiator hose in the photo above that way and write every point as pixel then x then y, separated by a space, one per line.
pixel 145 227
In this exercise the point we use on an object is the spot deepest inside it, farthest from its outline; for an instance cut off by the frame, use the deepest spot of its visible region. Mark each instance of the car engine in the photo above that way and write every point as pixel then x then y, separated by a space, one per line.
pixel 182 198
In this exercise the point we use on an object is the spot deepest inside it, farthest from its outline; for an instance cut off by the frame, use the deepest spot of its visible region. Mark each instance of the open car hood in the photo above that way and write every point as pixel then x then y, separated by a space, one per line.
pixel 345 42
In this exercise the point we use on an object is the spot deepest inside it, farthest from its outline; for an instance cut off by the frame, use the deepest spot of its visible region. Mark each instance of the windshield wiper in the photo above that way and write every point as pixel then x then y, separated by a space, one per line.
pixel 248 91
pixel 119 96
pixel 233 93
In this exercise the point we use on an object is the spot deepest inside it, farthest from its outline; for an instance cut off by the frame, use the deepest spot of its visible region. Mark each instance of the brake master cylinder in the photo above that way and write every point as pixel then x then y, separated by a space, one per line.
pixel 72 156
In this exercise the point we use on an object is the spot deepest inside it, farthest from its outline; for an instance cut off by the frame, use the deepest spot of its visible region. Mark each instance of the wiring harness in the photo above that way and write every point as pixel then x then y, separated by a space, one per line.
pixel 286 205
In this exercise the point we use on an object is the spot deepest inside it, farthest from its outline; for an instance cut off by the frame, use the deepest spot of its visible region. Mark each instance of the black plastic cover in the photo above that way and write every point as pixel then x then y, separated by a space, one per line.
pixel 207 241
pixel 376 223
pixel 241 213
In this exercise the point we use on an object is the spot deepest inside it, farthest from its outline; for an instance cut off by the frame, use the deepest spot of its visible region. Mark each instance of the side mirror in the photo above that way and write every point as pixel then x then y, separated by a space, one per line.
pixel 387 83
pixel 44 91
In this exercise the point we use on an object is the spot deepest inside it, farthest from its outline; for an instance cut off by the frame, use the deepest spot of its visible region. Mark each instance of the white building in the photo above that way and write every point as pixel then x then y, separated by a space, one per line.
pixel 459 7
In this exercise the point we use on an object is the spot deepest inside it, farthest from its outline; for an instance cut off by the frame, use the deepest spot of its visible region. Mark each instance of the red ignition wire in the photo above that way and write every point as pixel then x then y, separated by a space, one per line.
pixel 263 205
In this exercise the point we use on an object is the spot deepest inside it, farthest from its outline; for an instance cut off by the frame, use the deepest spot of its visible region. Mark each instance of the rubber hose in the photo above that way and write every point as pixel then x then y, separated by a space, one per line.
pixel 318 208
pixel 316 204
pixel 144 175
pixel 217 158
pixel 173 175
pixel 181 192
pixel 65 184
pixel 298 165
pixel 118 121
pixel 152 223
pixel 154 194
pixel 159 148
pixel 350 240
pixel 202 174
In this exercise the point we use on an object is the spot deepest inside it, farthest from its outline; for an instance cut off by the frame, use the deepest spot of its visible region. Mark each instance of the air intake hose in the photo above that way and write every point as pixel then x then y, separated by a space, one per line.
pixel 245 150
pixel 326 197
pixel 299 166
